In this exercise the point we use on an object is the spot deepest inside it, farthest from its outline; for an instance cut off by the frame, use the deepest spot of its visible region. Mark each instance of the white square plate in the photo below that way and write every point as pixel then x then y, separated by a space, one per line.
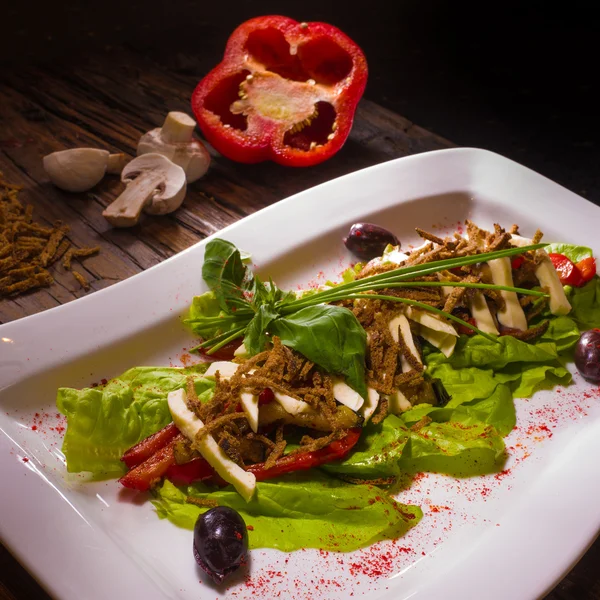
pixel 507 536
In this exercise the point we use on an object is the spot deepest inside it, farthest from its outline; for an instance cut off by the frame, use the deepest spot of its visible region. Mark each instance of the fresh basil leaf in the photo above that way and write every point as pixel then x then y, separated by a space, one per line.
pixel 329 336
pixel 256 333
pixel 573 253
pixel 224 273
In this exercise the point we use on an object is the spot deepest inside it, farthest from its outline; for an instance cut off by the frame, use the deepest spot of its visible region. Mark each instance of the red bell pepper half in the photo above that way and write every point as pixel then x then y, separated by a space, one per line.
pixel 284 91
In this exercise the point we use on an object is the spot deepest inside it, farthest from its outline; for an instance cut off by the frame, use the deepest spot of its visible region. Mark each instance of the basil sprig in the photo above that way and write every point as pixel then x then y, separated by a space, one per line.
pixel 330 336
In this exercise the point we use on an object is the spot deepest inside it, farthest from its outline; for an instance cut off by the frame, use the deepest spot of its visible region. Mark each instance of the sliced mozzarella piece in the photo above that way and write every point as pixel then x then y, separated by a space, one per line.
pixel 511 315
pixel 401 322
pixel 393 254
pixel 190 425
pixel 517 240
pixel 345 395
pixel 548 277
pixel 430 321
pixel 442 341
pixel 249 404
pixel 241 350
pixel 481 313
pixel 437 332
pixel 226 369
pixel 370 405
pixel 398 403
pixel 291 405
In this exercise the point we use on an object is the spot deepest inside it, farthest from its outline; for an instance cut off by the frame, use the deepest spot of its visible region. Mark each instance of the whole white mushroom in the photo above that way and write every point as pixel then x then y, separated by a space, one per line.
pixel 175 140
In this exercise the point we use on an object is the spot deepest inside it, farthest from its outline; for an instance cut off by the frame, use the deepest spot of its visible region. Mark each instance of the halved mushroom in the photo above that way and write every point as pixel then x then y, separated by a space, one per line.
pixel 80 169
pixel 175 141
pixel 154 184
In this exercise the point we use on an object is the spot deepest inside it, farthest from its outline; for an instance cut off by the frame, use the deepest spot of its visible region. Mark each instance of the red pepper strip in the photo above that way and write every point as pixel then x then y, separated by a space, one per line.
pixel 284 91
pixel 587 268
pixel 266 397
pixel 462 329
pixel 568 273
pixel 143 450
pixel 516 262
pixel 150 471
pixel 195 470
pixel 307 460
pixel 223 353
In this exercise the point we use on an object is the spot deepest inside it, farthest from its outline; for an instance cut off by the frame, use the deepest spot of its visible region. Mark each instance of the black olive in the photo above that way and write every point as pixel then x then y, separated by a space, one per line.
pixel 587 355
pixel 367 241
pixel 220 542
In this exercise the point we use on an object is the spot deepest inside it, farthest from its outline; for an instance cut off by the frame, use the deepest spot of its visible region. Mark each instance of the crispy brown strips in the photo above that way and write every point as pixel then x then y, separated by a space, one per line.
pixel 28 249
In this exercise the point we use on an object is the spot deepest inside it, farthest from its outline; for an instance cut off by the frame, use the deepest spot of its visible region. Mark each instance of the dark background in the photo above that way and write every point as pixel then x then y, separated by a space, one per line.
pixel 519 78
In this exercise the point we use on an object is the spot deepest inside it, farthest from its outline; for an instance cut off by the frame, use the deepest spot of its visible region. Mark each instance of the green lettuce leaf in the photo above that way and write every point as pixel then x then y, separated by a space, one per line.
pixel 563 331
pixel 103 422
pixel 305 510
pixel 204 307
pixel 477 351
pixel 459 441
pixel 573 253
pixel 586 304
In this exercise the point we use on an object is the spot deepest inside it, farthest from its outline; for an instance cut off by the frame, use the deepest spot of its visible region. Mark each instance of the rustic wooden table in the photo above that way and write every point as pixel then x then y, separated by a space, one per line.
pixel 108 101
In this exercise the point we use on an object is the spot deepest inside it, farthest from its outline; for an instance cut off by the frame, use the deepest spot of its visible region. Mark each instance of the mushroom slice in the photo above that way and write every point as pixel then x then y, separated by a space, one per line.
pixel 154 184
pixel 175 140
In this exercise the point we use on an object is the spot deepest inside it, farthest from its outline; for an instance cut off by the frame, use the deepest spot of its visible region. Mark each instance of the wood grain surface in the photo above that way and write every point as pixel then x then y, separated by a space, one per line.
pixel 108 101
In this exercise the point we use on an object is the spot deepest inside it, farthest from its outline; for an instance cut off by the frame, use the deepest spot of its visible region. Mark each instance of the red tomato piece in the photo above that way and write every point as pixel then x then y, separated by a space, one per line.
pixel 568 273
pixel 587 268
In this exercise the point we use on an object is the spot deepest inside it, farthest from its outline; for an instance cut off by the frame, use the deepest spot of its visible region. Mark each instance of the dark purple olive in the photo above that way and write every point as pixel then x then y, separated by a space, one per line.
pixel 587 355
pixel 220 542
pixel 367 241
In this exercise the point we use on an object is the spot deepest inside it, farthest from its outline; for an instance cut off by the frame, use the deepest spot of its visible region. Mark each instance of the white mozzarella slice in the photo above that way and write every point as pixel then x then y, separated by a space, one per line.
pixel 481 313
pixel 291 405
pixel 190 425
pixel 226 369
pixel 370 405
pixel 345 395
pixel 511 315
pixel 249 404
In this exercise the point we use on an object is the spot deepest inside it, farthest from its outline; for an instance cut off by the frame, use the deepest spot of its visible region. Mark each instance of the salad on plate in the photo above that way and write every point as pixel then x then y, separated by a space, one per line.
pixel 310 405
